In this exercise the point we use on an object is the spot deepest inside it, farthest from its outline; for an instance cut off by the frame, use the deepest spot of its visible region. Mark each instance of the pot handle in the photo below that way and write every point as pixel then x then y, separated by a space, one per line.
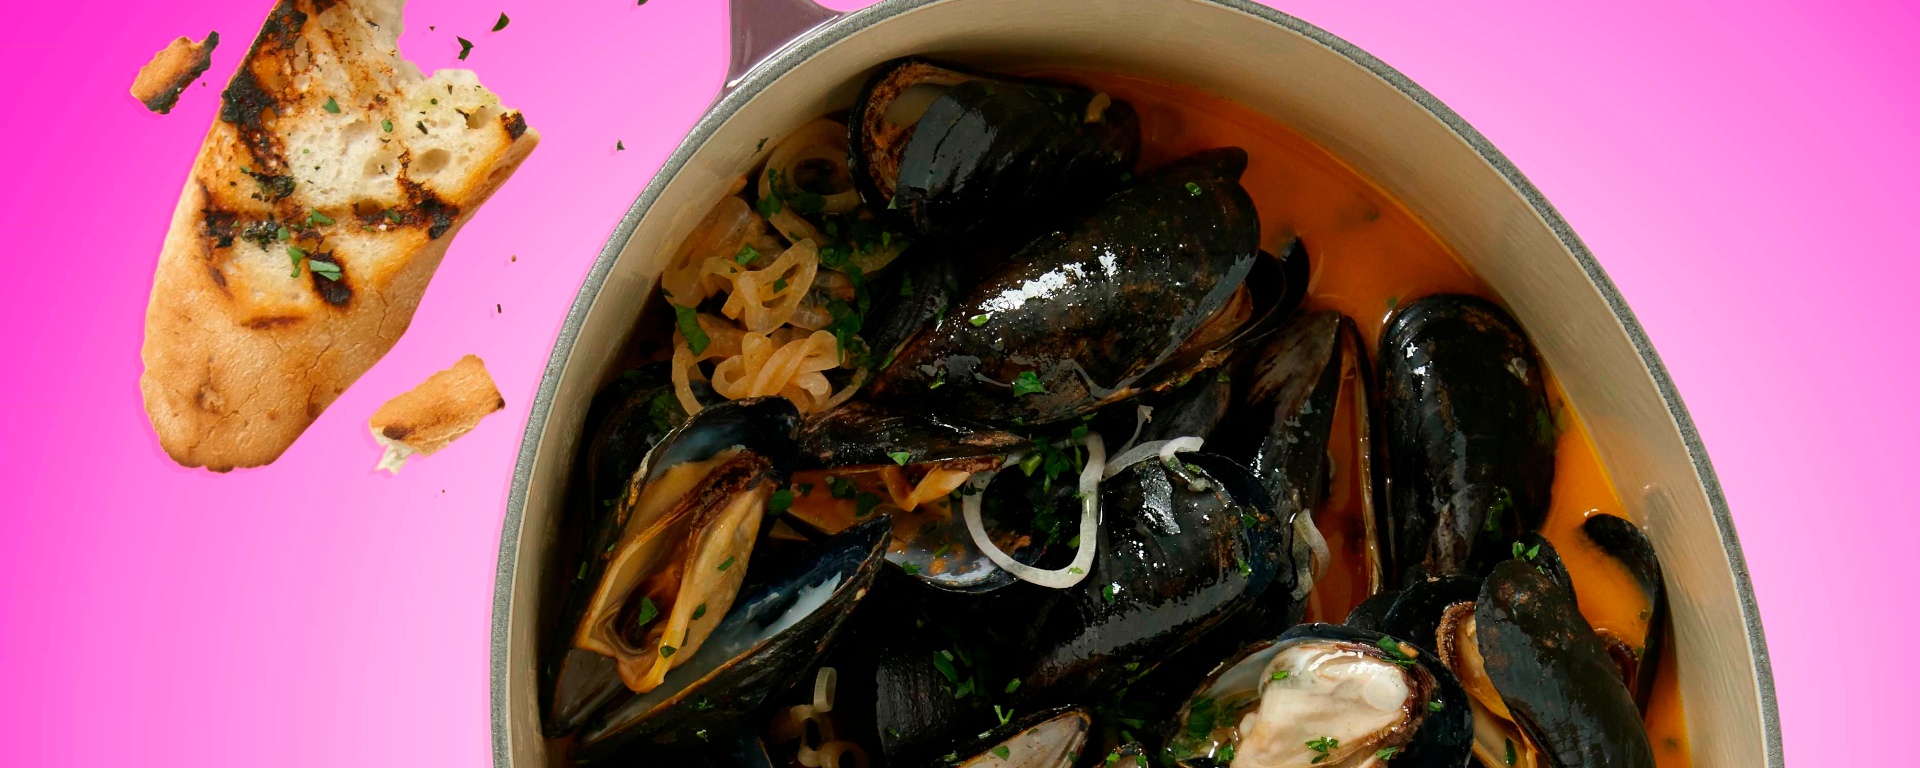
pixel 762 28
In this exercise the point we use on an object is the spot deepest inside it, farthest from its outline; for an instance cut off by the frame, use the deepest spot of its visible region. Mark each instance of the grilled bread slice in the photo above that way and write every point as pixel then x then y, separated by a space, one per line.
pixel 322 201
pixel 424 419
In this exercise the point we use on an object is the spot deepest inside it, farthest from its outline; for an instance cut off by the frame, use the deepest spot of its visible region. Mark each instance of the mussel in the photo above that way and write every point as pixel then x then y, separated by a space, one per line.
pixel 1469 438
pixel 1635 648
pixel 689 518
pixel 777 630
pixel 1158 283
pixel 1284 425
pixel 1048 739
pixel 951 150
pixel 1325 695
pixel 1533 665
pixel 1185 545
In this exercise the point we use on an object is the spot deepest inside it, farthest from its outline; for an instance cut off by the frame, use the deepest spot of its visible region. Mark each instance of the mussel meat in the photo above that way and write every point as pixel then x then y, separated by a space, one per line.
pixel 951 150
pixel 1325 695
pixel 691 515
pixel 777 630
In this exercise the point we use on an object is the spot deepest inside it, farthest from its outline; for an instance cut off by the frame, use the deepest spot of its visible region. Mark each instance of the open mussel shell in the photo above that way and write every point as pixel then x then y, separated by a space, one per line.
pixel 1048 739
pixel 1085 316
pixel 1554 675
pixel 951 150
pixel 776 630
pixel 863 434
pixel 1636 649
pixel 1417 613
pixel 1326 694
pixel 1183 546
pixel 1469 437
pixel 698 496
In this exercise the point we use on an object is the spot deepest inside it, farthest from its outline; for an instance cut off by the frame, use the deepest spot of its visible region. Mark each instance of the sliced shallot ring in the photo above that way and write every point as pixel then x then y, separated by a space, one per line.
pixel 1076 571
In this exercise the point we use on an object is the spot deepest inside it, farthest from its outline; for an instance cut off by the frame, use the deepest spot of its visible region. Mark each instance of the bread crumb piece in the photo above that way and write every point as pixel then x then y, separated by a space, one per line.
pixel 428 417
pixel 172 69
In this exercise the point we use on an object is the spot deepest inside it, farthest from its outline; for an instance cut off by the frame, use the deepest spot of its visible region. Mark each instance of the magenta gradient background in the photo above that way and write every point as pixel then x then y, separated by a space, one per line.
pixel 1746 171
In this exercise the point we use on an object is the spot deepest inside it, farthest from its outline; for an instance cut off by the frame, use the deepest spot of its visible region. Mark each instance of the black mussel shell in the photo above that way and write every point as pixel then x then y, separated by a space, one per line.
pixel 1440 719
pixel 722 747
pixel 1284 421
pixel 1554 674
pixel 1469 437
pixel 1087 315
pixel 1181 549
pixel 1416 615
pixel 863 434
pixel 951 150
pixel 1371 613
pixel 1534 548
pixel 1638 657
pixel 582 680
pixel 776 630
pixel 910 296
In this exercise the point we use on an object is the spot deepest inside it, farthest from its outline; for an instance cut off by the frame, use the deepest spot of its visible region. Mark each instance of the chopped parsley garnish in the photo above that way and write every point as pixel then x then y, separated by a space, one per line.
pixel 1193 189
pixel 1106 593
pixel 1004 715
pixel 316 218
pixel 1522 552
pixel 326 269
pixel 392 215
pixel 1323 745
pixel 1281 675
pixel 939 378
pixel 1512 757
pixel 1397 652
pixel 909 569
pixel 841 489
pixel 466 47
pixel 864 504
pixel 1225 755
pixel 1387 754
pixel 779 284
pixel 770 202
pixel 422 125
pixel 699 610
pixel 502 23
pixel 979 320
pixel 906 285
pixel 1200 715
pixel 619 146
pixel 331 106
pixel 806 489
pixel 746 255
pixel 943 661
pixel 667 651
pixel 1013 685
pixel 297 254
pixel 1245 569
pixel 727 563
pixel 900 457
pixel 1027 383
pixel 689 323
pixel 780 501
pixel 1435 706
pixel 1001 751
pixel 757 147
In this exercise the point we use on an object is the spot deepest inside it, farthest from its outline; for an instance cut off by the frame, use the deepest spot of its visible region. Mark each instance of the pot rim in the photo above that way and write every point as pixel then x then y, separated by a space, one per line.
pixel 739 92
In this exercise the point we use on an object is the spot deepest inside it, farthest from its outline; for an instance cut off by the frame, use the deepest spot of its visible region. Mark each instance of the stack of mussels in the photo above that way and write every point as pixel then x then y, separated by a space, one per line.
pixel 1141 362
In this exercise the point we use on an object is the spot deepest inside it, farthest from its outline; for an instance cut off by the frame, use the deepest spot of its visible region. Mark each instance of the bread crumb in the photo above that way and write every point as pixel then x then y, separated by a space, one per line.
pixel 428 417
pixel 172 69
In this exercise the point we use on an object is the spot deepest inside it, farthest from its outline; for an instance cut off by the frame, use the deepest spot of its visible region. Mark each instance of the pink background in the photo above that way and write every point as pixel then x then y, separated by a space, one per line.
pixel 1746 171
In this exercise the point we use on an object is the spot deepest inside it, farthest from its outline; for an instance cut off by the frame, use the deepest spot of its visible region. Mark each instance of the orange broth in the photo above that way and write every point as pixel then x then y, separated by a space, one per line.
pixel 1370 254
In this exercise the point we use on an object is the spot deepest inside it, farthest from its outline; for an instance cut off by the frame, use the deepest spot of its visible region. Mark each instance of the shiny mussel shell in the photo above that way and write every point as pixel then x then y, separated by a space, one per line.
pixel 1088 315
pixel 1636 649
pixel 952 150
pixel 1554 674
pixel 1324 694
pixel 777 629
pixel 1469 438
pixel 697 500
pixel 1182 548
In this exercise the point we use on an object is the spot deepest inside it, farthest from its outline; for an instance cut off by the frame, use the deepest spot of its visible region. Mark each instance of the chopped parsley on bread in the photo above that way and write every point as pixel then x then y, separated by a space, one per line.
pixel 324 197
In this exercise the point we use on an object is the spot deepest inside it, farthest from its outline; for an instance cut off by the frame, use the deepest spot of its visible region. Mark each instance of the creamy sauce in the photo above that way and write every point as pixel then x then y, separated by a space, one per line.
pixel 1369 255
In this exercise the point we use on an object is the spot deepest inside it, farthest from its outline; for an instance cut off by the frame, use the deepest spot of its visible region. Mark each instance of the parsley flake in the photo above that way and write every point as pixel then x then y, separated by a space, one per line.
pixel 900 457
pixel 502 23
pixel 1193 189
pixel 780 501
pixel 727 563
pixel 466 47
pixel 688 322
pixel 978 320
pixel 667 651
pixel 1027 383
pixel 331 106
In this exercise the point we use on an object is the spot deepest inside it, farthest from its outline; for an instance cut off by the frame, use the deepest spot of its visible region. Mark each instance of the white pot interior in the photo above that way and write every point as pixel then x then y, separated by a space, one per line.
pixel 1363 118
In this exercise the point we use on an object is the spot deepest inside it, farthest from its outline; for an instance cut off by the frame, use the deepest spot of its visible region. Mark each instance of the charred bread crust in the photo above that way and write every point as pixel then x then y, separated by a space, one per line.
pixel 247 343
pixel 172 69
